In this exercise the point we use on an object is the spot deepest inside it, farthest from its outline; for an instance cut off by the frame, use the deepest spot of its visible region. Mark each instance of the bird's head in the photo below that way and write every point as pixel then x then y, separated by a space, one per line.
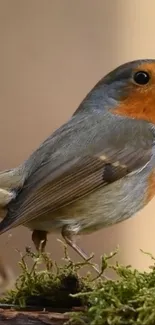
pixel 129 91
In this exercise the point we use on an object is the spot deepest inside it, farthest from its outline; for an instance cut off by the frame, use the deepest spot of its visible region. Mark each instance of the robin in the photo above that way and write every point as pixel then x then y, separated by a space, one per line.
pixel 96 170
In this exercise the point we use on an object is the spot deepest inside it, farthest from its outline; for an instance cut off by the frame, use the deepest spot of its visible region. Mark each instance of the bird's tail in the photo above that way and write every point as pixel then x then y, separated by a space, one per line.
pixel 10 180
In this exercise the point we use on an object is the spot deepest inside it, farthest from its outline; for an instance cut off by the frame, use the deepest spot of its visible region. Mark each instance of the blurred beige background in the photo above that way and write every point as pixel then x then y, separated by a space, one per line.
pixel 52 53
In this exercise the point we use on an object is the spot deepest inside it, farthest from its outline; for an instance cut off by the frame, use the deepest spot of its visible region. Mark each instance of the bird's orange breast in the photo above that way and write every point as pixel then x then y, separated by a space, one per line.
pixel 151 187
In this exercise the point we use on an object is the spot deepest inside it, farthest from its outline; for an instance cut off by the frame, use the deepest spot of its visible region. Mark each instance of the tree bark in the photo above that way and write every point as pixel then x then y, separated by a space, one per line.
pixel 12 317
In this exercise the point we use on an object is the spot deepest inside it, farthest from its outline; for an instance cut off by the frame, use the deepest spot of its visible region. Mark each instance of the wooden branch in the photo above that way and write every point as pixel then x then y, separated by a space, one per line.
pixel 12 317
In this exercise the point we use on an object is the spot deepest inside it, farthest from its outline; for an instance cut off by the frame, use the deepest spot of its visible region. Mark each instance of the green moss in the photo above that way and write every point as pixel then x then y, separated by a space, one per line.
pixel 128 300
pixel 48 288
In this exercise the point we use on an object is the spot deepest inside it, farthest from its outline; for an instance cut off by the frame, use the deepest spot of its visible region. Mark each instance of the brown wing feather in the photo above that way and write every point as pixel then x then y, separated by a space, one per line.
pixel 71 182
pixel 72 187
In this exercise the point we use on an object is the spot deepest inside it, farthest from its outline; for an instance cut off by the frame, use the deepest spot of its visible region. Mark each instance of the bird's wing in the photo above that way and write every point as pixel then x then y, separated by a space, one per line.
pixel 73 179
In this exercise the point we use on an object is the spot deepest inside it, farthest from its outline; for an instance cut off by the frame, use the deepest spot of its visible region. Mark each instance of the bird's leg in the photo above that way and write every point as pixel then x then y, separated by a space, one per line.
pixel 67 234
pixel 39 238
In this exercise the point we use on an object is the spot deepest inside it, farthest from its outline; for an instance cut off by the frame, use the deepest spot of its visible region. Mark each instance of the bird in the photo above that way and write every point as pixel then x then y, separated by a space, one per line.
pixel 94 171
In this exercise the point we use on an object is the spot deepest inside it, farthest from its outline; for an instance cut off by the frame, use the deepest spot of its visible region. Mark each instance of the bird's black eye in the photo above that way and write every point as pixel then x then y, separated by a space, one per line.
pixel 141 77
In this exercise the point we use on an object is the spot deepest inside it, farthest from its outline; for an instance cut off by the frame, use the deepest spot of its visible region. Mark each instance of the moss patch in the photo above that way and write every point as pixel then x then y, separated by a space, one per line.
pixel 51 287
pixel 129 300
